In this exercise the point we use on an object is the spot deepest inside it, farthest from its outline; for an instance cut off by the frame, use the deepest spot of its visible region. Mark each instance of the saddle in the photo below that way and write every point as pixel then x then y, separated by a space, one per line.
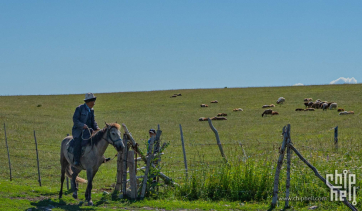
pixel 85 142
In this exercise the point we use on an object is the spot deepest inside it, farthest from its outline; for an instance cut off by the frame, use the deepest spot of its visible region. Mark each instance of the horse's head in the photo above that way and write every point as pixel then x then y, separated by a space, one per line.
pixel 114 135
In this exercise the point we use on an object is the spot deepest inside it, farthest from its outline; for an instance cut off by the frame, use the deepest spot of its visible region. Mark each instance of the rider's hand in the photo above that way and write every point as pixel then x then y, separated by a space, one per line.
pixel 85 126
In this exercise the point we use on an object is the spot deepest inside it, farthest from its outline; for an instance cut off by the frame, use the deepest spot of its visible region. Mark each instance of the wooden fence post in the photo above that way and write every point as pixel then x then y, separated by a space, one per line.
pixel 124 167
pixel 117 188
pixel 289 155
pixel 279 165
pixel 6 141
pixel 336 137
pixel 217 140
pixel 37 159
pixel 149 160
pixel 132 175
pixel 183 148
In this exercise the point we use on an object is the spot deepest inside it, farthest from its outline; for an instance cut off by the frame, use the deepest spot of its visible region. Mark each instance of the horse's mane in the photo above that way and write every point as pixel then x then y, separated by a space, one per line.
pixel 97 135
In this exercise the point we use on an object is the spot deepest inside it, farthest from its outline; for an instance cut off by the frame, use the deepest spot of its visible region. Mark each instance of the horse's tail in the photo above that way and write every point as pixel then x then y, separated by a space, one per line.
pixel 69 173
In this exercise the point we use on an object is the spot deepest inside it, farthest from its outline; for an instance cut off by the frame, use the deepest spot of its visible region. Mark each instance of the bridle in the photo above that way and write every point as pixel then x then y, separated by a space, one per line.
pixel 109 137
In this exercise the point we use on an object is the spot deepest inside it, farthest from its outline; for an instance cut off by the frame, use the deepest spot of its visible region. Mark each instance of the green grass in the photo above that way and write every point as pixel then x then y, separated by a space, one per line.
pixel 211 183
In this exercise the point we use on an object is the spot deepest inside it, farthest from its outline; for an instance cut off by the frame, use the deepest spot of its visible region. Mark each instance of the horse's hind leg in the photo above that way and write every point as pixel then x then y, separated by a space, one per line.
pixel 73 183
pixel 62 177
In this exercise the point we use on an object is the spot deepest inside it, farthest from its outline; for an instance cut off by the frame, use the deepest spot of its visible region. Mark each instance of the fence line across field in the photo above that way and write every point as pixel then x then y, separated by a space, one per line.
pixel 204 164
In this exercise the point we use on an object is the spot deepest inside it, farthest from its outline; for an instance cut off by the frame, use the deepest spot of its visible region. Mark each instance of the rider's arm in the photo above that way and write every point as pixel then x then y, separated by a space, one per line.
pixel 76 117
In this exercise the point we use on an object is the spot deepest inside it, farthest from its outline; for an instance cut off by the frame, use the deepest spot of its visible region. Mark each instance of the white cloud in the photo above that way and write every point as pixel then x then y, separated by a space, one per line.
pixel 298 84
pixel 343 80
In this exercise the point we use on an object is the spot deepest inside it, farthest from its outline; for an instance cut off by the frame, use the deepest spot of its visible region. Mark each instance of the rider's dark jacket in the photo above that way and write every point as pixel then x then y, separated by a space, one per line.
pixel 83 115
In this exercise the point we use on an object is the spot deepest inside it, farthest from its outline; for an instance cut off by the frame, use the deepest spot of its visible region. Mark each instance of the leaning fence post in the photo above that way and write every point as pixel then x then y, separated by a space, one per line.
pixel 37 159
pixel 336 137
pixel 217 139
pixel 289 155
pixel 279 165
pixel 333 188
pixel 6 141
pixel 183 148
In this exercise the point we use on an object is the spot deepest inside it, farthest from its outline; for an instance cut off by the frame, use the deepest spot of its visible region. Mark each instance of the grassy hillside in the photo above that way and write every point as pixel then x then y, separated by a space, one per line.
pixel 51 118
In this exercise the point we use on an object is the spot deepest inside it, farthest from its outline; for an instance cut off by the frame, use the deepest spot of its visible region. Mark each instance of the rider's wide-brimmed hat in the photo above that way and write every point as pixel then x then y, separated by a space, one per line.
pixel 90 96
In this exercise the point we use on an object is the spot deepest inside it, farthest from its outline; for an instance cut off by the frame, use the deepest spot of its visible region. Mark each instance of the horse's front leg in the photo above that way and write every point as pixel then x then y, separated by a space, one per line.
pixel 73 183
pixel 88 193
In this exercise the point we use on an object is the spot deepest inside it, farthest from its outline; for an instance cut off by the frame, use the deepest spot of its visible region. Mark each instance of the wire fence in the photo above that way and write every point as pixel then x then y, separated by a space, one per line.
pixel 205 155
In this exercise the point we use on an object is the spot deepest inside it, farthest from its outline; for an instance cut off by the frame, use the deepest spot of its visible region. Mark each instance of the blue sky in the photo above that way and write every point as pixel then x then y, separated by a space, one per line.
pixel 66 47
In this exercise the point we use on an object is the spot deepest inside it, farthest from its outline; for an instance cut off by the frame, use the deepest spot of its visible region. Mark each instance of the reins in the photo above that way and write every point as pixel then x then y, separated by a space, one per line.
pixel 89 137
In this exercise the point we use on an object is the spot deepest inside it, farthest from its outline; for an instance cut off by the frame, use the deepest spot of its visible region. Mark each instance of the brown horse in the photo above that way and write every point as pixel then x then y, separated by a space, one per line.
pixel 91 160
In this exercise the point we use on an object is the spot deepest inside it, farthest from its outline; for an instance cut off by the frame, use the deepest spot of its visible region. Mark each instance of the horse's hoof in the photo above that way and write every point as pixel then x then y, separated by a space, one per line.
pixel 75 195
pixel 90 203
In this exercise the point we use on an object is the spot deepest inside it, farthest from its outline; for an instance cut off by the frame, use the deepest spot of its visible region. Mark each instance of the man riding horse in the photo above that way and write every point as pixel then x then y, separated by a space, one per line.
pixel 84 123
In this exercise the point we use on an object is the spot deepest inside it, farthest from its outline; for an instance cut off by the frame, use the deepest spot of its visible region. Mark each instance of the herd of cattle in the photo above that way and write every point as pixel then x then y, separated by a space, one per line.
pixel 308 103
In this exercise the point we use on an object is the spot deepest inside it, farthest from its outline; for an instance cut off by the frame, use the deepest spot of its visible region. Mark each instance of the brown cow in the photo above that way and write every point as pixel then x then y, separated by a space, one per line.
pixel 203 119
pixel 204 105
pixel 268 111
pixel 275 113
pixel 308 99
pixel 215 101
pixel 222 114
pixel 219 118
pixel 299 109
pixel 340 109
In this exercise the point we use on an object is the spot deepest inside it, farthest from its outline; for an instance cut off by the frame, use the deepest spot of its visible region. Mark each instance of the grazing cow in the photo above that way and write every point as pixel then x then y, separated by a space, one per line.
pixel 218 118
pixel 215 101
pixel 324 106
pixel 346 112
pixel 268 106
pixel 275 113
pixel 268 111
pixel 204 105
pixel 340 109
pixel 299 109
pixel 203 119
pixel 179 94
pixel 281 100
pixel 237 109
pixel 309 109
pixel 222 114
pixel 333 106
pixel 308 99
pixel 173 96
